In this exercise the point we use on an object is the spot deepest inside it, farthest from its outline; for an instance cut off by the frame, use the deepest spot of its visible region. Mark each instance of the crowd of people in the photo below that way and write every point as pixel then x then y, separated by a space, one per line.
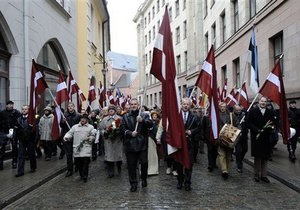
pixel 136 135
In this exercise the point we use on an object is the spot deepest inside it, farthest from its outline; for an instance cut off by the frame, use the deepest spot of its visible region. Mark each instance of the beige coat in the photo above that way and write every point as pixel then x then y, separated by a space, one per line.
pixel 113 147
pixel 81 134
pixel 45 127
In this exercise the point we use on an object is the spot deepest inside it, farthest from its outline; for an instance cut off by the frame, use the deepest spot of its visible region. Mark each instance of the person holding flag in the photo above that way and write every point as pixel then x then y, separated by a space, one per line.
pixel 134 127
pixel 260 122
pixel 72 118
pixel 192 128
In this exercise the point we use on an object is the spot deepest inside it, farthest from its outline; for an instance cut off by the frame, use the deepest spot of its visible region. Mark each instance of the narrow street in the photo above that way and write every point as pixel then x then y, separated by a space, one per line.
pixel 209 191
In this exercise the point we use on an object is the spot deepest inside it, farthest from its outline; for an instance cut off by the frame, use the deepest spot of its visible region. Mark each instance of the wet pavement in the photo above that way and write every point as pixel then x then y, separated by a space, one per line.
pixel 209 190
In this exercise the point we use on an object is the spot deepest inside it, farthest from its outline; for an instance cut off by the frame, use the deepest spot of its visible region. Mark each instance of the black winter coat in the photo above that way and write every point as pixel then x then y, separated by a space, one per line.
pixel 261 147
pixel 24 131
pixel 128 123
pixel 72 118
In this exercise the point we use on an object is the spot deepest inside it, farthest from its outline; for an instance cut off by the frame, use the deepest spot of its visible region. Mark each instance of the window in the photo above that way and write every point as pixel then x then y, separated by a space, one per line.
pixel 170 14
pixel 153 32
pixel 163 3
pixel 184 5
pixel 149 37
pixel 158 24
pixel 150 56
pixel 212 3
pixel 184 29
pixel 277 43
pixel 149 17
pixel 252 8
pixel 92 24
pixel 147 102
pixel 151 100
pixel 4 73
pixel 157 6
pixel 185 60
pixel 236 15
pixel 145 22
pixel 153 12
pixel 147 80
pixel 206 41
pixel 236 73
pixel 146 39
pixel 146 59
pixel 205 8
pixel 177 10
pixel 155 98
pixel 178 64
pixel 223 27
pixel 178 35
pixel 65 4
pixel 160 97
pixel 223 74
pixel 213 35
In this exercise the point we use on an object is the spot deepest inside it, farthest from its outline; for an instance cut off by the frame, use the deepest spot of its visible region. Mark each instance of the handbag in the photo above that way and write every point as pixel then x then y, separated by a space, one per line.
pixel 229 135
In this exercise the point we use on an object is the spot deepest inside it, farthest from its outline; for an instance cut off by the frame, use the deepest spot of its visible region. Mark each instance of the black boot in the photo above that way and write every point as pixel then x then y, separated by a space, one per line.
pixel 292 156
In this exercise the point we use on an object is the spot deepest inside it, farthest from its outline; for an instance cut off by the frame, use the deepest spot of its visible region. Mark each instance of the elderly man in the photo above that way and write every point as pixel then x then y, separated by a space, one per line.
pixel 260 122
pixel 135 127
pixel 192 128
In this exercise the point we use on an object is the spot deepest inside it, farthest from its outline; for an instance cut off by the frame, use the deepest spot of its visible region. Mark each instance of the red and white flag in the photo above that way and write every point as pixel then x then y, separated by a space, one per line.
pixel 101 94
pixel 91 96
pixel 61 96
pixel 72 85
pixel 80 99
pixel 37 86
pixel 242 97
pixel 207 82
pixel 224 91
pixel 110 97
pixel 231 99
pixel 273 89
pixel 163 68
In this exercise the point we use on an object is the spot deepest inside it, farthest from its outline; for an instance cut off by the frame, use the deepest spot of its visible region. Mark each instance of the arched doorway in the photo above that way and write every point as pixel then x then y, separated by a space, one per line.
pixel 51 60
pixel 4 73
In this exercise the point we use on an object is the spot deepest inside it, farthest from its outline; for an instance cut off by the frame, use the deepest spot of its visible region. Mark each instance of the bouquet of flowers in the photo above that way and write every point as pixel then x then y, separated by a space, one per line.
pixel 268 125
pixel 79 147
pixel 114 129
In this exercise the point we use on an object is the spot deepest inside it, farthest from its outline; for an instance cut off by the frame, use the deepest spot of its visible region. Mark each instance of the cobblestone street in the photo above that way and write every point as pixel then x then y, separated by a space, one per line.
pixel 209 191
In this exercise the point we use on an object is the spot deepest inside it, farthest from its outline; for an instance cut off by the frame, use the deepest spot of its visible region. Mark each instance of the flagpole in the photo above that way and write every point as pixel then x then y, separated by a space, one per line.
pixel 192 92
pixel 59 108
pixel 250 107
pixel 142 101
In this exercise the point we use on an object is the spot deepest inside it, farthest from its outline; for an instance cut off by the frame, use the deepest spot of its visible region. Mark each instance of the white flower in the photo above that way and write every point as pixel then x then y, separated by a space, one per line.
pixel 114 125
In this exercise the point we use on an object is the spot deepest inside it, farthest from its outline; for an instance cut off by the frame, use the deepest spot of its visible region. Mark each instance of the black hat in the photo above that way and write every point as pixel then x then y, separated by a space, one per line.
pixel 9 102
pixel 84 116
pixel 292 102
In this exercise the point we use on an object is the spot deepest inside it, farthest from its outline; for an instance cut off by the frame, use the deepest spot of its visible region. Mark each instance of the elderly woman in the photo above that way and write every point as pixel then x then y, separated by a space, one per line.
pixel 113 145
pixel 83 135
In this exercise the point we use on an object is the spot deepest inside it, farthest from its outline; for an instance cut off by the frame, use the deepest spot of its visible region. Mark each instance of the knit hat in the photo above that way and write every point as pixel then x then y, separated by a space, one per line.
pixel 113 107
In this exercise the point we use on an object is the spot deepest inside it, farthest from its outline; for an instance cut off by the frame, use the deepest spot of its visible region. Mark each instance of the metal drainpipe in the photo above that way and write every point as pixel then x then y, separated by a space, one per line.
pixel 27 71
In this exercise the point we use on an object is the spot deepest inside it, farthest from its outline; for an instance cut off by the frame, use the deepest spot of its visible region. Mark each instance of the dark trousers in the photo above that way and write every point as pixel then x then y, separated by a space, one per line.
pixel 94 150
pixel 111 167
pixel 292 142
pixel 2 153
pixel 132 160
pixel 26 148
pixel 212 153
pixel 241 149
pixel 184 174
pixel 58 143
pixel 68 148
pixel 196 149
pixel 82 163
pixel 14 152
pixel 48 148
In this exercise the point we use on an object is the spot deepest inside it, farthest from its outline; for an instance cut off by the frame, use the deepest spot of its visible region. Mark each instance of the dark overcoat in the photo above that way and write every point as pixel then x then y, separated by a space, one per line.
pixel 261 147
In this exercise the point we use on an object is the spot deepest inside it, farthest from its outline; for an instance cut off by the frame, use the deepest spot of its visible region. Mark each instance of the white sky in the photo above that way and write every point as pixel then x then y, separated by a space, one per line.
pixel 122 27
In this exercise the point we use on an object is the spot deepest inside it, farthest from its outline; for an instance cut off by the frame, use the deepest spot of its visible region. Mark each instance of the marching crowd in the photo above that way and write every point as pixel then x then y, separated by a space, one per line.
pixel 137 136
